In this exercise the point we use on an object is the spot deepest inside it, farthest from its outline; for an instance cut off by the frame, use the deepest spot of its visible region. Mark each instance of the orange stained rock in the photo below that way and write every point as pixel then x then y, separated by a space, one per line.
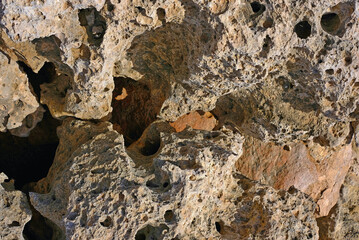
pixel 195 120
pixel 122 96
pixel 314 169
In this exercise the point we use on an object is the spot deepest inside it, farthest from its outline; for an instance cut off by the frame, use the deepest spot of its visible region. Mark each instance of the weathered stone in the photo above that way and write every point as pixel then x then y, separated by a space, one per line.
pixel 15 210
pixel 16 99
pixel 277 80
pixel 28 123
pixel 96 189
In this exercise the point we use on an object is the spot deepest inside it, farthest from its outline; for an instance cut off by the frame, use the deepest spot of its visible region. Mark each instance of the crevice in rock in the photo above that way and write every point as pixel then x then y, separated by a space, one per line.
pixel 37 228
pixel 326 224
pixel 28 159
pixel 218 226
pixel 134 109
pixel 45 75
pixel 95 25
pixel 106 221
pixel 267 45
pixel 162 56
pixel 161 182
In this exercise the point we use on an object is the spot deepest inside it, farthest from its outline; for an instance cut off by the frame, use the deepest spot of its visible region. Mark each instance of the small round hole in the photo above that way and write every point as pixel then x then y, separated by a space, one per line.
pixel 107 222
pixel 286 148
pixel 165 184
pixel 169 215
pixel 330 22
pixel 303 29
pixel 268 23
pixel 329 71
pixel 256 6
pixel 348 60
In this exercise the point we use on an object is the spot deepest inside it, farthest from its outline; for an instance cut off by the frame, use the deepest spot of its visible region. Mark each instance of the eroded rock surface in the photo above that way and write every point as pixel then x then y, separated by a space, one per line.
pixel 183 119
pixel 17 101
pixel 165 195
pixel 15 210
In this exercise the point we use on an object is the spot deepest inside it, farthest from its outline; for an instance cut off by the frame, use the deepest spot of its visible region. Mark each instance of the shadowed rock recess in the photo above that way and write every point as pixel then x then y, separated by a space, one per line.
pixel 179 119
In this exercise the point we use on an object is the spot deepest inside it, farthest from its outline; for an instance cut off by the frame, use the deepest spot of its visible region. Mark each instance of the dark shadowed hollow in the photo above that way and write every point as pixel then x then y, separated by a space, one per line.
pixel 28 159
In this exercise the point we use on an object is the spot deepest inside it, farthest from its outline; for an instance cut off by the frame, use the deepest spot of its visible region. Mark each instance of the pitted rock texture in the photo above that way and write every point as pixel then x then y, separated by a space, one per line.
pixel 297 62
pixel 15 210
pixel 165 195
pixel 182 119
pixel 17 101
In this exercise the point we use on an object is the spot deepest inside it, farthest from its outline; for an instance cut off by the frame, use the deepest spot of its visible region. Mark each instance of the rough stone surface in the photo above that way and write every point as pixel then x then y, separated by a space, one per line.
pixel 17 101
pixel 182 119
pixel 15 210
pixel 101 191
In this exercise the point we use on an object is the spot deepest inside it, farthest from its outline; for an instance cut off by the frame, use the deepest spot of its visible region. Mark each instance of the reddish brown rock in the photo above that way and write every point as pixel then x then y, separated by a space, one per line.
pixel 195 120
pixel 311 168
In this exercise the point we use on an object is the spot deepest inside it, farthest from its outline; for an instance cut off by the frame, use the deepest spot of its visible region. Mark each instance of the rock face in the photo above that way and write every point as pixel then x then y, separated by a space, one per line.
pixel 181 119
pixel 17 102
pixel 164 195
pixel 15 210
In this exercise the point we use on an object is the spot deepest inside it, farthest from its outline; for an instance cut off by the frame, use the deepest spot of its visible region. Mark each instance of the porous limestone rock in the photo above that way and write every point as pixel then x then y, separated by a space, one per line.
pixel 28 123
pixel 16 98
pixel 272 63
pixel 278 80
pixel 14 211
pixel 188 188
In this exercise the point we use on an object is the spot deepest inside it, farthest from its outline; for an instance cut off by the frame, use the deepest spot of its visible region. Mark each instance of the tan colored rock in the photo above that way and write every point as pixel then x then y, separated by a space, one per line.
pixel 15 211
pixel 280 73
pixel 195 53
pixel 22 51
pixel 29 123
pixel 218 6
pixel 16 99
pixel 311 168
pixel 187 189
